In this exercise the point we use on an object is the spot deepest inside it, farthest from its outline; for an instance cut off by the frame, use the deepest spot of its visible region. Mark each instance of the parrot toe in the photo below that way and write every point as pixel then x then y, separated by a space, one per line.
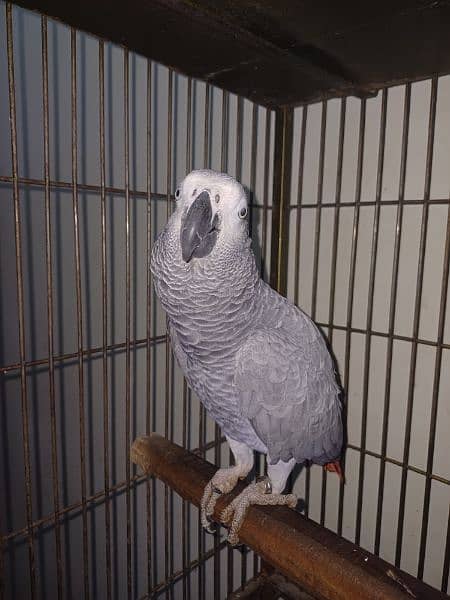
pixel 256 493
pixel 207 504
pixel 223 482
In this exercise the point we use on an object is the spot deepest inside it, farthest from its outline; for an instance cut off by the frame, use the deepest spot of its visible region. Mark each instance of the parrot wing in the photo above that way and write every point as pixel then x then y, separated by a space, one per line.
pixel 288 391
pixel 196 383
pixel 177 348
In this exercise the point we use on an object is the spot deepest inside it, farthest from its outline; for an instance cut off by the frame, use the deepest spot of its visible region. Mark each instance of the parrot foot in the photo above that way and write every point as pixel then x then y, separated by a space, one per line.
pixel 259 493
pixel 224 481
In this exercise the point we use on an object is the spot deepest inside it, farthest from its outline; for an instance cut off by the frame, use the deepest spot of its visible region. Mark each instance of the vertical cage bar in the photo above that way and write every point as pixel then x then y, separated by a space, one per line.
pixel 446 566
pixel 337 215
pixel 254 151
pixel 298 221
pixel 217 436
pixel 282 172
pixel 239 140
pixel 265 193
pixel 334 253
pixel 351 282
pixel 185 508
pixel 369 317
pixel 217 462
pixel 224 165
pixel 434 407
pixel 434 402
pixel 171 358
pixel 20 296
pixel 185 525
pixel 201 533
pixel 416 321
pixel 224 149
pixel 318 222
pixel 298 225
pixel 168 554
pixel 392 306
pixel 207 123
pixel 48 258
pixel 268 121
pixel 184 505
pixel 202 410
pixel 148 417
pixel 76 227
pixel 284 119
pixel 254 142
pixel 127 314
pixel 239 124
pixel 106 476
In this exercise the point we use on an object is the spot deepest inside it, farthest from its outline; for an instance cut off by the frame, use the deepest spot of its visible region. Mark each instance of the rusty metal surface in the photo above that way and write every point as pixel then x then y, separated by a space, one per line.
pixel 324 564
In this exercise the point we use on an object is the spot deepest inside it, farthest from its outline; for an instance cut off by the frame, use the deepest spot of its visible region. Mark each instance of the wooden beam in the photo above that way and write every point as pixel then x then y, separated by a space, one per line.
pixel 318 560
pixel 276 53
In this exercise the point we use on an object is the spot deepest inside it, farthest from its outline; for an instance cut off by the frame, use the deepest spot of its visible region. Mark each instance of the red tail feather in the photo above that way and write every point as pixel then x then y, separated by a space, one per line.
pixel 335 467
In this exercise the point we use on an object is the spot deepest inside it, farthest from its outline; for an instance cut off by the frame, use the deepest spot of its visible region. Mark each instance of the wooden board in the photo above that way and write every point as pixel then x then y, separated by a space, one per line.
pixel 276 52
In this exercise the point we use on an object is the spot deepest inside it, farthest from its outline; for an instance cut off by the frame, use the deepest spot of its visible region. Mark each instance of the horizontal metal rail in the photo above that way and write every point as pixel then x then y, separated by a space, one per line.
pixel 101 190
pixel 182 573
pixel 399 463
pixel 87 353
pixel 384 334
pixel 95 499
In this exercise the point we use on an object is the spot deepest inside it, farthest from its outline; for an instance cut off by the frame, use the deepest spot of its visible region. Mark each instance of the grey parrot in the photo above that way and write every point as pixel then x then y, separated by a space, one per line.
pixel 257 363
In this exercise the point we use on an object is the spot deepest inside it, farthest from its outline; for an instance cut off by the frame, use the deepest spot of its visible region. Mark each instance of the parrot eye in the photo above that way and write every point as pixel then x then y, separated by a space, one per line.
pixel 243 213
pixel 178 194
pixel 217 198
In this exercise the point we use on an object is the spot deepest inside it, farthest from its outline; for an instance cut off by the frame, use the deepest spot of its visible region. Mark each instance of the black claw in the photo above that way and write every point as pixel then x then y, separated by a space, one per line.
pixel 212 528
pixel 267 482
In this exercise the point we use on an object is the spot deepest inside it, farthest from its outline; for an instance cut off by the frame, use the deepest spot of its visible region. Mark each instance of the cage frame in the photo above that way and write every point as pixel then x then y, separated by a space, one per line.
pixel 280 209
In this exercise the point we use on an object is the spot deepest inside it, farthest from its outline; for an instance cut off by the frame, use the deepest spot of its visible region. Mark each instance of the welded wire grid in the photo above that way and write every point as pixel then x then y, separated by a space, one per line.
pixel 369 261
pixel 98 139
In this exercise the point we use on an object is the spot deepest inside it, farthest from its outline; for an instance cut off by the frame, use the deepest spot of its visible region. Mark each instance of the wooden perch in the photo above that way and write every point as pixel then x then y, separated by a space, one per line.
pixel 315 558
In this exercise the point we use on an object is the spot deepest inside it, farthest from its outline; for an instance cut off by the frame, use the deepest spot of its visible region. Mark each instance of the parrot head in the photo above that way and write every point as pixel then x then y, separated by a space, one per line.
pixel 212 212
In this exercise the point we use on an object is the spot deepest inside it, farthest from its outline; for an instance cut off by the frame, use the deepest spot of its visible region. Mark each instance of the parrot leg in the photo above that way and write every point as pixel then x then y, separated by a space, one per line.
pixel 266 491
pixel 225 480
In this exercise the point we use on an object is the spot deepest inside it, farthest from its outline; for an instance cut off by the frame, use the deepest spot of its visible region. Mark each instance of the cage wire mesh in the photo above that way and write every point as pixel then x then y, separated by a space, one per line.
pixel 99 138
pixel 94 141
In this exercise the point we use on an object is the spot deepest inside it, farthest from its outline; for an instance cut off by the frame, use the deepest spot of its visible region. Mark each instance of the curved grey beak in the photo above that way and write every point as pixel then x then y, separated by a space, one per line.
pixel 198 233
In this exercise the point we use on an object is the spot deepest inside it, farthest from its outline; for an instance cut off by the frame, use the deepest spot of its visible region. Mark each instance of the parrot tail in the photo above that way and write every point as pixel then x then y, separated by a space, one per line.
pixel 335 467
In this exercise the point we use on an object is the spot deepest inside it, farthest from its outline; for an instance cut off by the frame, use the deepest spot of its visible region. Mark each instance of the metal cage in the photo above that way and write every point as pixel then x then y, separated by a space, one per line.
pixel 350 215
